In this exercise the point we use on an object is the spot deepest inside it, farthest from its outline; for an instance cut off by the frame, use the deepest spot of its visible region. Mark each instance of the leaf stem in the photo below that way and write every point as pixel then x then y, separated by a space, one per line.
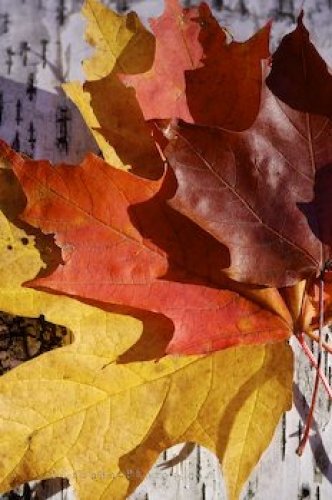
pixel 306 349
pixel 315 337
pixel 309 421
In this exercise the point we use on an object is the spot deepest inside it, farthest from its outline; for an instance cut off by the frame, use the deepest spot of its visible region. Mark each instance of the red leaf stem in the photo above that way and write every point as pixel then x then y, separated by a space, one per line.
pixel 309 421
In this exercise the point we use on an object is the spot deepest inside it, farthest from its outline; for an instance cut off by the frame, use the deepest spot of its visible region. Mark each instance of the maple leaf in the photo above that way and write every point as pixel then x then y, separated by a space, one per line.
pixel 198 75
pixel 63 413
pixel 108 107
pixel 109 255
pixel 253 190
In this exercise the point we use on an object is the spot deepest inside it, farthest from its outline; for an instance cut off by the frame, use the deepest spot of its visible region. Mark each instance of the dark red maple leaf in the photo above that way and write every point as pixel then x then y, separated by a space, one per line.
pixel 253 190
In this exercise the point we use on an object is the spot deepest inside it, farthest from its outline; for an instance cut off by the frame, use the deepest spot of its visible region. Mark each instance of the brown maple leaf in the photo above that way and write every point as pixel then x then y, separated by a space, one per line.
pixel 254 190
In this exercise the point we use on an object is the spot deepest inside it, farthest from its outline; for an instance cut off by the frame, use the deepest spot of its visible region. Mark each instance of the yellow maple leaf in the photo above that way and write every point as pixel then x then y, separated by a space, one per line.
pixel 120 40
pixel 74 413
pixel 86 413
pixel 109 109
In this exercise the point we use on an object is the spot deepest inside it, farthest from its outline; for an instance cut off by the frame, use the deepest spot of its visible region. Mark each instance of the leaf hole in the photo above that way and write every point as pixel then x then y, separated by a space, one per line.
pixel 23 338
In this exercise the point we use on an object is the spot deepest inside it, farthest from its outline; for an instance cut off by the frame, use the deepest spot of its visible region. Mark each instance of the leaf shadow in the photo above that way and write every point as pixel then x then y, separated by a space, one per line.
pixel 190 250
pixel 12 204
pixel 18 112
pixel 234 76
pixel 319 452
pixel 299 76
pixel 157 330
pixel 318 210
pixel 261 377
pixel 130 135
pixel 156 335
pixel 158 440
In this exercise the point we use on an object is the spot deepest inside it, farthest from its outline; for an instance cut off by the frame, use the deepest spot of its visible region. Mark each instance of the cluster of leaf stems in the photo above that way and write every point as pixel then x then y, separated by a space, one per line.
pixel 316 363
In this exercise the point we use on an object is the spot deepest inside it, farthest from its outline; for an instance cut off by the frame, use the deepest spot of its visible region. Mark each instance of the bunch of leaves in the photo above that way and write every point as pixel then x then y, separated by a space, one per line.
pixel 182 262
